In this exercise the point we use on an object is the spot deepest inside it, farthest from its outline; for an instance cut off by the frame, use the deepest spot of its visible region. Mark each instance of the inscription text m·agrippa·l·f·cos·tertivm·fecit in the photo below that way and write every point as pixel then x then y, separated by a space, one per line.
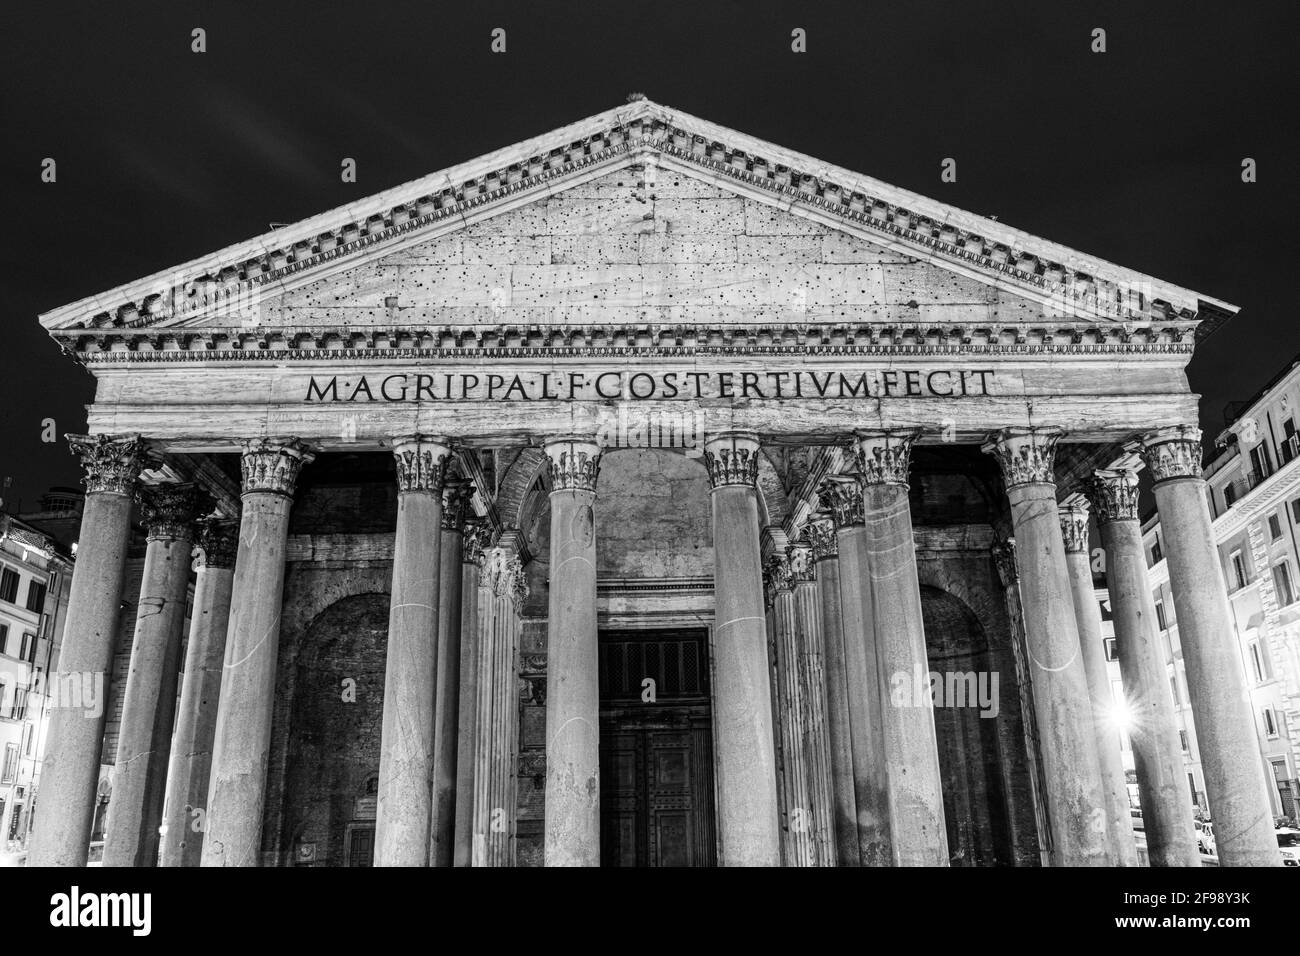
pixel 626 384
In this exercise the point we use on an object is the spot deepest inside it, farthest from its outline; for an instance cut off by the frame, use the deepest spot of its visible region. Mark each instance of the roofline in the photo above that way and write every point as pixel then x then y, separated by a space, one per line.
pixel 455 176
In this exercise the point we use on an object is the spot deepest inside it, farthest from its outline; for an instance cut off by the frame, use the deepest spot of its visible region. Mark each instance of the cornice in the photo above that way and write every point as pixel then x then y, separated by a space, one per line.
pixel 228 281
pixel 226 346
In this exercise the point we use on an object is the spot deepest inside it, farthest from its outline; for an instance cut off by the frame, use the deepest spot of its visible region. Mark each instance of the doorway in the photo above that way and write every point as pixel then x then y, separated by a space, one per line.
pixel 656 749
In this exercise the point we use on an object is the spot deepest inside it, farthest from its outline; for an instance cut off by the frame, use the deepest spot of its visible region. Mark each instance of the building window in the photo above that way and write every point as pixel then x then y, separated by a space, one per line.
pixel 18 710
pixel 1238 571
pixel 1173 688
pixel 1289 445
pixel 27 651
pixel 9 585
pixel 1257 661
pixel 1262 463
pixel 11 763
pixel 1230 495
pixel 1182 739
pixel 1157 554
pixel 1160 616
pixel 1270 725
pixel 1274 527
pixel 1112 652
pixel 4 638
pixel 35 595
pixel 1282 584
pixel 30 734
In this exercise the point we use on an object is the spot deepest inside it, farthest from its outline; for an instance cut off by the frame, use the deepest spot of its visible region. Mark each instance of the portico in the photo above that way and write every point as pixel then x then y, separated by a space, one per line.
pixel 642 376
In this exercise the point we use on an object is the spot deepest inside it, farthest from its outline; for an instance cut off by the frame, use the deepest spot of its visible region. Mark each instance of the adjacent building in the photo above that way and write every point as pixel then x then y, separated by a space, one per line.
pixel 35 581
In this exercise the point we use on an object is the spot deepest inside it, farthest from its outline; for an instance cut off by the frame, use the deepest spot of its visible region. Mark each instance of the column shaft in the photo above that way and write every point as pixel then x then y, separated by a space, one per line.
pixel 242 741
pixel 70 769
pixel 747 802
pixel 149 706
pixel 455 503
pixel 1119 822
pixel 1071 771
pixel 467 723
pixel 404 808
pixel 918 834
pixel 572 815
pixel 862 681
pixel 816 742
pixel 837 699
pixel 191 753
pixel 1216 684
pixel 789 722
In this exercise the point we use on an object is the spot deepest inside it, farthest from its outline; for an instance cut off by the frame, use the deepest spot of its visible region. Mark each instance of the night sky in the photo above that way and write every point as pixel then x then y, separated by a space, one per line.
pixel 162 154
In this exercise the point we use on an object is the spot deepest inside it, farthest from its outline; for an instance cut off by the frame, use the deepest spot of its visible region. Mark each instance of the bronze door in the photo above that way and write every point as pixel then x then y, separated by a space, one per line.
pixel 656 757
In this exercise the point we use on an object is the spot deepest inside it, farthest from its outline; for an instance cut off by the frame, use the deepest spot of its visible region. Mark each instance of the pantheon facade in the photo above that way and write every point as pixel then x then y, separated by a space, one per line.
pixel 643 493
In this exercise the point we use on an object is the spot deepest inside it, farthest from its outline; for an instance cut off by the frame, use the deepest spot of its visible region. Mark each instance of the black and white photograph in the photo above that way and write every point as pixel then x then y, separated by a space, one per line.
pixel 502 435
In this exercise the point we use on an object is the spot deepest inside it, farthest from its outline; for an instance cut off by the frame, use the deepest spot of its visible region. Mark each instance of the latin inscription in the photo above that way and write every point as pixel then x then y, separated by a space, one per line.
pixel 629 385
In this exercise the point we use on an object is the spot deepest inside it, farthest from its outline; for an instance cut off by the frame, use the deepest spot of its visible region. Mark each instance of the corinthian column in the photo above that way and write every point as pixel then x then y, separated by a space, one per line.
pixel 191 755
pixel 473 539
pixel 920 837
pixel 144 740
pixel 861 674
pixel 70 772
pixel 455 503
pixel 242 740
pixel 572 664
pixel 812 678
pixel 1157 752
pixel 1072 773
pixel 821 533
pixel 1119 823
pixel 742 703
pixel 1225 726
pixel 788 713
pixel 403 816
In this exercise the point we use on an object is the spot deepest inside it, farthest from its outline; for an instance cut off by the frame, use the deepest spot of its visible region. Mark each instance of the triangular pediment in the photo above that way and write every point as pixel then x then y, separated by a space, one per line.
pixel 639 215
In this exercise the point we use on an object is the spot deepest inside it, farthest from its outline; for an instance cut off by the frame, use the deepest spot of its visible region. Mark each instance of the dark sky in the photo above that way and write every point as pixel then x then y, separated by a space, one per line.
pixel 1133 155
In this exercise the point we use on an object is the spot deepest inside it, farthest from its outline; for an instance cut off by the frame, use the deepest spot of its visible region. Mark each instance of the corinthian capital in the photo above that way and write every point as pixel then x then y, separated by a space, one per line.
pixel 575 464
pixel 1027 456
pixel 112 464
pixel 884 457
pixel 801 562
pixel 777 575
pixel 167 510
pixel 216 544
pixel 1074 524
pixel 271 465
pixel 732 459
pixel 457 493
pixel 1173 453
pixel 843 495
pixel 821 535
pixel 477 535
pixel 1114 494
pixel 421 464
